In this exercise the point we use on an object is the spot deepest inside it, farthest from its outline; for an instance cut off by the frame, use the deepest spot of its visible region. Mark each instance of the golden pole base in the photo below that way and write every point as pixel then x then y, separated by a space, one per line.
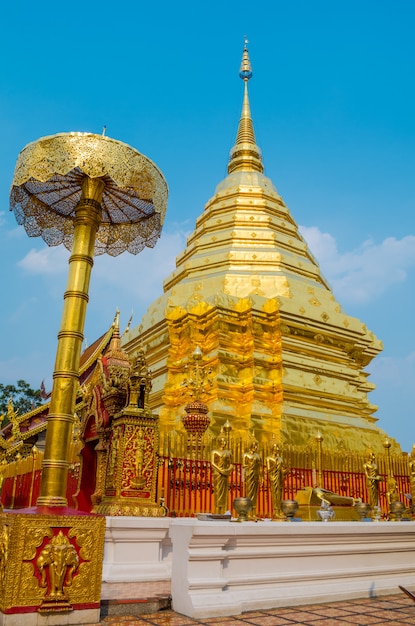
pixel 50 564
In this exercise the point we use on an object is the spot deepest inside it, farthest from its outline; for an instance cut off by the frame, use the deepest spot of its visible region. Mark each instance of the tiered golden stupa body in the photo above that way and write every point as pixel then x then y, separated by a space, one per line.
pixel 287 360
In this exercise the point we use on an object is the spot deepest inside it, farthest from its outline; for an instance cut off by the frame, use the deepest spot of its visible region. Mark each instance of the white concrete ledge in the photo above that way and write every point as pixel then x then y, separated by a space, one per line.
pixel 137 549
pixel 223 568
pixel 226 568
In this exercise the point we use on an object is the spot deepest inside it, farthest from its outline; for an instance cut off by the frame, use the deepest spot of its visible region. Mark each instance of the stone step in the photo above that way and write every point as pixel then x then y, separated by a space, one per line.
pixel 120 599
pixel 134 606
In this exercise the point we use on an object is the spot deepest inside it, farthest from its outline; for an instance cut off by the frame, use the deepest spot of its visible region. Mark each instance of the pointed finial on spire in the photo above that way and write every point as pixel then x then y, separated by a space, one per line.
pixel 245 155
pixel 116 324
pixel 128 323
pixel 245 71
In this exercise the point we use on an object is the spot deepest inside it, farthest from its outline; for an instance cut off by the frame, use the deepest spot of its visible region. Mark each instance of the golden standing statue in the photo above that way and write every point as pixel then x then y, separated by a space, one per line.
pixel 373 479
pixel 222 468
pixel 276 472
pixel 251 465
pixel 392 490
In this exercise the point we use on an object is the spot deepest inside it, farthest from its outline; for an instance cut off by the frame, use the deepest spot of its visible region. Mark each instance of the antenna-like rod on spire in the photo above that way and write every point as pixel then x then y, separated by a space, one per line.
pixel 245 71
pixel 245 155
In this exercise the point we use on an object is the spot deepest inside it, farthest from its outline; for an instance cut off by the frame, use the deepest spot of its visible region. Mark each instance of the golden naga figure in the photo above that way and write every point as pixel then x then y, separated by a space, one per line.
pixel 12 415
pixel 373 479
pixel 276 472
pixel 222 468
pixel 62 560
pixel 251 464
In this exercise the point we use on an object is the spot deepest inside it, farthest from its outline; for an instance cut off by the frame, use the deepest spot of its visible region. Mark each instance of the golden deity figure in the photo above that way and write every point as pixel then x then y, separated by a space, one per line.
pixel 276 471
pixel 222 468
pixel 140 465
pixel 373 479
pixel 252 466
pixel 61 558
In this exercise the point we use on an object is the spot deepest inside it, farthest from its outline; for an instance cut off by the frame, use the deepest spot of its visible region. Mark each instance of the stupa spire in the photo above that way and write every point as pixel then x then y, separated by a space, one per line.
pixel 245 155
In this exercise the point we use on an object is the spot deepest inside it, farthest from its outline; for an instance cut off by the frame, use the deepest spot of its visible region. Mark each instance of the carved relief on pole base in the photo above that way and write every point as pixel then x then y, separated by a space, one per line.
pixel 50 563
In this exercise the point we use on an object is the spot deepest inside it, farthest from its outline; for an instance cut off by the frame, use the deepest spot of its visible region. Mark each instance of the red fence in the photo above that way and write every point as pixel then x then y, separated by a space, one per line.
pixel 22 491
pixel 187 486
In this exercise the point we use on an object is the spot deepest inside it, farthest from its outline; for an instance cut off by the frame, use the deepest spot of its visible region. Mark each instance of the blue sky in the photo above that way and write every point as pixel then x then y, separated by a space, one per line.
pixel 333 103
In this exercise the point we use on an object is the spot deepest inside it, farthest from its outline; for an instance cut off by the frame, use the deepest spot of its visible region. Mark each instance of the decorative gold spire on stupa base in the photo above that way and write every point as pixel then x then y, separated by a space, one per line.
pixel 245 155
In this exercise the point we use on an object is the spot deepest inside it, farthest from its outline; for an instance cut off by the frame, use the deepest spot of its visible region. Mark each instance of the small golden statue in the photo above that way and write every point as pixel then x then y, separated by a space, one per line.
pixel 392 489
pixel 373 479
pixel 222 468
pixel 252 466
pixel 276 471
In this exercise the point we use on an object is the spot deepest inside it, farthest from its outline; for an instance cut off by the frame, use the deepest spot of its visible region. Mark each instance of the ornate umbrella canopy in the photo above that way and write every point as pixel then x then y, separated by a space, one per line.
pixel 47 187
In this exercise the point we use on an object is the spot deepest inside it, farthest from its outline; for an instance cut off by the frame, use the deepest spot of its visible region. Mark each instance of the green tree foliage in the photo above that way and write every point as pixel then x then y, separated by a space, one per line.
pixel 24 398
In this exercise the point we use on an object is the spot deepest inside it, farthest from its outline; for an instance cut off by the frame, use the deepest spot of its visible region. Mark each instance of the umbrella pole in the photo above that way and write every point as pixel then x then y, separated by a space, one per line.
pixel 70 338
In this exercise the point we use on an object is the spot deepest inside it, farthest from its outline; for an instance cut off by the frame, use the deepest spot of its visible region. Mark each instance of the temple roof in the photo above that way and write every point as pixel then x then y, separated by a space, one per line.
pixel 34 422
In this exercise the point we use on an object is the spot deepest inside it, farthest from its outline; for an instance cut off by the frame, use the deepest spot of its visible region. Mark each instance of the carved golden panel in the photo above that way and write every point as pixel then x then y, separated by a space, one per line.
pixel 25 573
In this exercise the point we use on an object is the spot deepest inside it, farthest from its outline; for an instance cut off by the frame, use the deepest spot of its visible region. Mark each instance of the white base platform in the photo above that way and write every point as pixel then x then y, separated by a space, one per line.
pixel 137 549
pixel 226 568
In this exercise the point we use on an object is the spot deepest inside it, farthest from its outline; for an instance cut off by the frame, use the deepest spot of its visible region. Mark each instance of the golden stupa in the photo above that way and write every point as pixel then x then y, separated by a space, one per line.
pixel 285 359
